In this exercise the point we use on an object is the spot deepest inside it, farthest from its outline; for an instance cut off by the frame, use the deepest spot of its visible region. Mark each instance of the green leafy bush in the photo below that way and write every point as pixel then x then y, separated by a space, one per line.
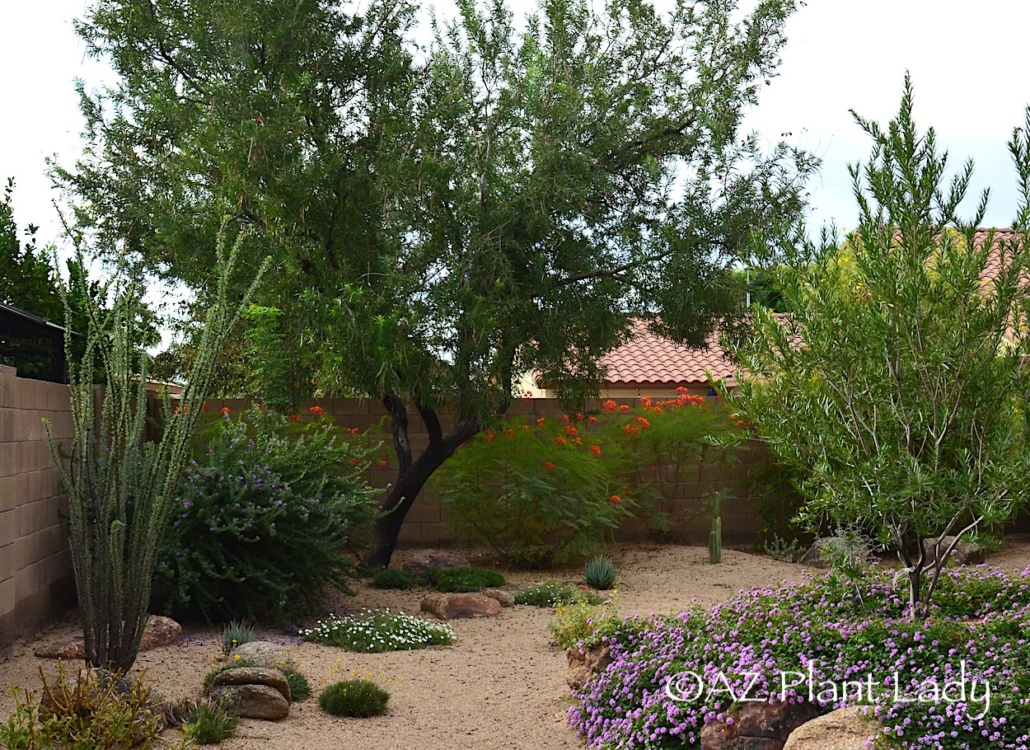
pixel 394 579
pixel 263 515
pixel 93 711
pixel 535 495
pixel 551 594
pixel 354 698
pixel 236 633
pixel 375 632
pixel 600 573
pixel 463 579
pixel 583 624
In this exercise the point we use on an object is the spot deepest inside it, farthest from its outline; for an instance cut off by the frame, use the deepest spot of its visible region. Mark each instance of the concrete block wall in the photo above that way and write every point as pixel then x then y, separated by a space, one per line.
pixel 36 581
pixel 427 523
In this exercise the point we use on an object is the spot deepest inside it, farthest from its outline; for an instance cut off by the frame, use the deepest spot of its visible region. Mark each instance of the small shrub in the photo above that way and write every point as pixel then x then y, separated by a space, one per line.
pixel 600 573
pixel 95 710
pixel 300 688
pixel 394 579
pixel 780 549
pixel 554 594
pixel 354 698
pixel 463 579
pixel 236 633
pixel 208 723
pixel 586 624
pixel 271 501
pixel 375 632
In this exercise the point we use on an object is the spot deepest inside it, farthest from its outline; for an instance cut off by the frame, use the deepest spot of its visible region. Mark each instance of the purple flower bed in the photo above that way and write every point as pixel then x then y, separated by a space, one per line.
pixel 957 679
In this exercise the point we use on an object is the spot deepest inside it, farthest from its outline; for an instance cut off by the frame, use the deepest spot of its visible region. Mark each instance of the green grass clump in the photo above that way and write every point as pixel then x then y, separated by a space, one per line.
pixel 600 573
pixel 394 579
pixel 375 632
pixel 236 633
pixel 208 723
pixel 300 689
pixel 354 698
pixel 554 594
pixel 463 580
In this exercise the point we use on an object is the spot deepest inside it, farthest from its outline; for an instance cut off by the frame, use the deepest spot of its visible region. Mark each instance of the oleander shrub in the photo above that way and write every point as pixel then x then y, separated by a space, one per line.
pixel 354 698
pixel 394 579
pixel 763 643
pixel 264 513
pixel 375 632
pixel 463 579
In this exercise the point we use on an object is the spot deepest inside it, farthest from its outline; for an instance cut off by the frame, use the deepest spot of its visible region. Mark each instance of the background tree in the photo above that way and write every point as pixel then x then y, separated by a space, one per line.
pixel 443 222
pixel 894 384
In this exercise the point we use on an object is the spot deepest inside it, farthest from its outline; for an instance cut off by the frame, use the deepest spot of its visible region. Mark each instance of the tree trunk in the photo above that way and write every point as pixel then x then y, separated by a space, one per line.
pixel 413 474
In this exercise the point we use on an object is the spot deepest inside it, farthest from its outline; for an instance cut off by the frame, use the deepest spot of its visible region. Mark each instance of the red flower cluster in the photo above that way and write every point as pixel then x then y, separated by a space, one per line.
pixel 225 410
pixel 548 466
pixel 318 411
pixel 559 440
pixel 596 450
pixel 381 464
pixel 295 417
pixel 616 500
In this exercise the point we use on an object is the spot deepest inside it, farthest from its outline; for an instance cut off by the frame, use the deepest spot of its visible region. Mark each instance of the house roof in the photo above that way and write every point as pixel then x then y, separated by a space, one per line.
pixel 647 358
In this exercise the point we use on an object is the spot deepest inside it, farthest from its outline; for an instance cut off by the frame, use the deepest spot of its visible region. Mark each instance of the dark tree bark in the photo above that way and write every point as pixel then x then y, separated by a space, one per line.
pixel 413 474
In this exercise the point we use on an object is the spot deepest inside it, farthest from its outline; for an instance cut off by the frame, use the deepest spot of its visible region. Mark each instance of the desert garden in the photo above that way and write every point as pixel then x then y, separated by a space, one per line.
pixel 817 552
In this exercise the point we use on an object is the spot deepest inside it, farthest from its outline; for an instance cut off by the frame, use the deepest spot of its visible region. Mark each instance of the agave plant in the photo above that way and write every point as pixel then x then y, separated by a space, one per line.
pixel 600 573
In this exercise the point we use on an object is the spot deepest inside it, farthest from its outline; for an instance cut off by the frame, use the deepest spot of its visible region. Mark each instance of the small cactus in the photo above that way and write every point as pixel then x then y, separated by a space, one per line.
pixel 600 573
pixel 715 537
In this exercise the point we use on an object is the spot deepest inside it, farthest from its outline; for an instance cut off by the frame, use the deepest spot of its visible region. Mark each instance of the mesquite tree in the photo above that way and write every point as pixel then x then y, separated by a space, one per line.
pixel 120 486
pixel 895 382
pixel 443 221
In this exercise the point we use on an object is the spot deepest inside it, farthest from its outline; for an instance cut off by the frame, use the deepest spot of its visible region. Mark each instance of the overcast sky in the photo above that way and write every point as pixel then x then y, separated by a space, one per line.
pixel 968 63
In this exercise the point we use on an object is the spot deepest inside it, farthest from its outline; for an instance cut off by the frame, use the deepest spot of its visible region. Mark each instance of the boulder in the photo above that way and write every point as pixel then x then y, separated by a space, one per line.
pixel 584 664
pixel 460 606
pixel 843 729
pixel 159 631
pixel 263 654
pixel 254 701
pixel 965 553
pixel 758 726
pixel 503 596
pixel 273 678
pixel 421 560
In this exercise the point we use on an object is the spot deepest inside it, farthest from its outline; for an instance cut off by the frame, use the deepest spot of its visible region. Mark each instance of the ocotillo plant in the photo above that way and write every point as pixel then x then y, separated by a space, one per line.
pixel 120 486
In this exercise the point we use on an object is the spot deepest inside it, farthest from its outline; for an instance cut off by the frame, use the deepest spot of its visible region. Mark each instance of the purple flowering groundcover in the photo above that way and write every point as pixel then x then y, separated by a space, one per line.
pixel 957 677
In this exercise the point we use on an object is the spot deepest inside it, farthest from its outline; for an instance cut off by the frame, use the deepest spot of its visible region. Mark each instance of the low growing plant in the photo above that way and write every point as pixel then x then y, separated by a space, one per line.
pixel 208 722
pixel 600 573
pixel 823 631
pixel 463 579
pixel 583 625
pixel 236 633
pixel 354 698
pixel 375 632
pixel 263 516
pixel 93 711
pixel 300 688
pixel 550 594
pixel 394 579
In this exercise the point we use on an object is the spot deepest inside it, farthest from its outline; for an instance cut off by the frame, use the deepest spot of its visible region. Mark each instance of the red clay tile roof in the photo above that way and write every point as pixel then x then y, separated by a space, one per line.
pixel 651 359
